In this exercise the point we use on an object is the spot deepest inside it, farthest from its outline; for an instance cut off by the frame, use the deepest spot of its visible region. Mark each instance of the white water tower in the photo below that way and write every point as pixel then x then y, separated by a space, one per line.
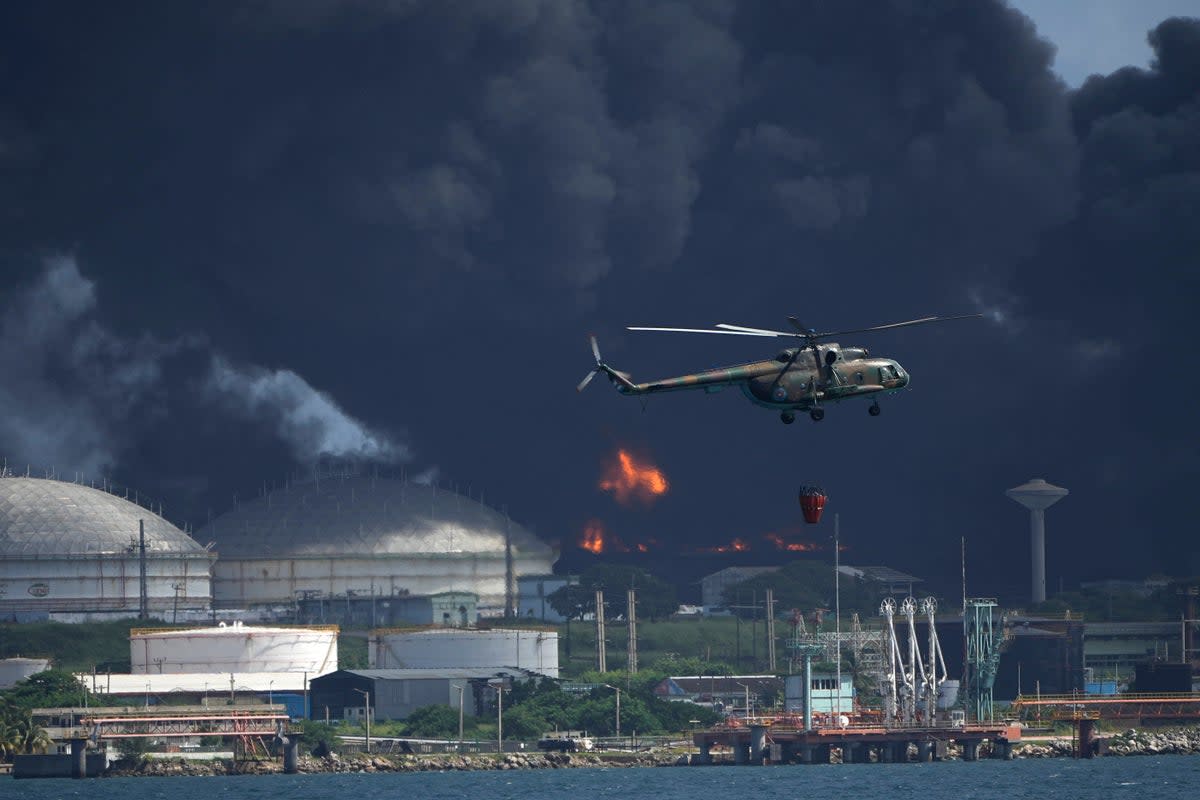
pixel 1037 496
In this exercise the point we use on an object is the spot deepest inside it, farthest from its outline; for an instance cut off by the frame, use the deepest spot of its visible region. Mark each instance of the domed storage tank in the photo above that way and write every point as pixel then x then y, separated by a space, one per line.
pixel 233 648
pixel 72 550
pixel 456 648
pixel 363 536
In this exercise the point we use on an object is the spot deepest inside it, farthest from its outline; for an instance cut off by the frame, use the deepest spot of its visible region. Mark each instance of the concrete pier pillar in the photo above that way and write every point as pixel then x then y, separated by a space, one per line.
pixel 822 754
pixel 740 752
pixel 1087 729
pixel 79 758
pixel 758 743
pixel 924 751
pixel 705 755
pixel 851 753
pixel 807 753
pixel 291 755
pixel 970 750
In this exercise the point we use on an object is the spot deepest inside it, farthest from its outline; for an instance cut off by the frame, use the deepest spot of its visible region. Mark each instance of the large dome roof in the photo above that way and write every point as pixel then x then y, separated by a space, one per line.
pixel 365 516
pixel 40 517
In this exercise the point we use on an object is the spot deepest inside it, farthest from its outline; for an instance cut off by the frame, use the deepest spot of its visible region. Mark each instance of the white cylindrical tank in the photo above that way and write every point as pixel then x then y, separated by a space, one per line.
pixel 456 648
pixel 18 669
pixel 233 648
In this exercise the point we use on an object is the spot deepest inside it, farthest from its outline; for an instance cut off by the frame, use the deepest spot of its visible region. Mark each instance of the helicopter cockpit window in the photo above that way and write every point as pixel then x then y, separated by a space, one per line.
pixel 858 376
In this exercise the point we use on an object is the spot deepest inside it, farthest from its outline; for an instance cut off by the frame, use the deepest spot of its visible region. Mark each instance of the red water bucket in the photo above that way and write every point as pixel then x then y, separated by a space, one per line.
pixel 812 503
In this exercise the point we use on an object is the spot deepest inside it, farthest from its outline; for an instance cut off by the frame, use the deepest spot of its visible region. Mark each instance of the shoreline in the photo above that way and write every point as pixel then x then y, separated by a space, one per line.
pixel 1131 742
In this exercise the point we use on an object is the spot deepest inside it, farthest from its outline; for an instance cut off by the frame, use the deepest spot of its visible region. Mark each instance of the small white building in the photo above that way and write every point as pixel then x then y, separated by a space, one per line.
pixel 826 698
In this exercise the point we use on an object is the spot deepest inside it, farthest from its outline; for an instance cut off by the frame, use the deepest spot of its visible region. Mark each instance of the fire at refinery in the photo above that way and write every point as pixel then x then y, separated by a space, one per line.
pixel 597 540
pixel 630 479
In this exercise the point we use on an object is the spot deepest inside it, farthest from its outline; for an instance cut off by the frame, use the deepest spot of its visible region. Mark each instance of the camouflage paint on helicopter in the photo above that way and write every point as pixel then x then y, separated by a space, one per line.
pixel 790 382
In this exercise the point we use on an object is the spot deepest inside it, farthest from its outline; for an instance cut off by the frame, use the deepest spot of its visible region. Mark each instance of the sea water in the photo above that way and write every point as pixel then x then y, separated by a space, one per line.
pixel 1136 778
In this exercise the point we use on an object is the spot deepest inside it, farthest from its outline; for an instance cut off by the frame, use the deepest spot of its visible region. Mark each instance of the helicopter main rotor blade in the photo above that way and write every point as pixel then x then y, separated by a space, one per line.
pixel 595 351
pixel 702 330
pixel 761 331
pixel 904 324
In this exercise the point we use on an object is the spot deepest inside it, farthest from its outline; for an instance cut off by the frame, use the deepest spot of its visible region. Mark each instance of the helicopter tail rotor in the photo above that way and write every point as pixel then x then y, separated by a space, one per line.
pixel 599 367
pixel 619 378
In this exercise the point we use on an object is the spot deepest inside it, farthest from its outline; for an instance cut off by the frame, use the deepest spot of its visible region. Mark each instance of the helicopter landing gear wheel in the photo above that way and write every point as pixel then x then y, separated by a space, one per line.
pixel 817 414
pixel 787 417
pixel 874 410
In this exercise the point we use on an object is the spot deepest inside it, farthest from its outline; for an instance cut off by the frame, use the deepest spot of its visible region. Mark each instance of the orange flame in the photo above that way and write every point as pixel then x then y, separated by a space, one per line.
pixel 596 540
pixel 592 539
pixel 630 480
pixel 795 547
pixel 736 546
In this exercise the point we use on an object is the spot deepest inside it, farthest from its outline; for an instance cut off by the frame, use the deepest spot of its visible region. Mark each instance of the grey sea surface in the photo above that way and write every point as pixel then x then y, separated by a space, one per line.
pixel 1044 779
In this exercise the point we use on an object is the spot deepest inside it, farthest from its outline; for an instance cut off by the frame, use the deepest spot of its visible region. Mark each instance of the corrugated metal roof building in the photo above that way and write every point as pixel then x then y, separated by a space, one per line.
pixel 396 693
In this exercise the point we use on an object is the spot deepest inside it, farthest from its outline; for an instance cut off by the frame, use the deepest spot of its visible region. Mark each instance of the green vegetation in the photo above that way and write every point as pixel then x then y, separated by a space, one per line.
pixel 50 689
pixel 102 646
pixel 656 598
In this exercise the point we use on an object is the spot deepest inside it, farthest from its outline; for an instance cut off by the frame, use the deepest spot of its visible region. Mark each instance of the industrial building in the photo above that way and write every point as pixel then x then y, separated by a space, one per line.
pixel 532 594
pixel 387 694
pixel 366 536
pixel 452 648
pixel 730 693
pixel 204 689
pixel 233 648
pixel 713 587
pixel 828 695
pixel 448 609
pixel 72 552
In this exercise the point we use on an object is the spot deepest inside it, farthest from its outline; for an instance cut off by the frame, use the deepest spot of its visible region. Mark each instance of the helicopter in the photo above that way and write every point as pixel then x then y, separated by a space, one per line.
pixel 792 381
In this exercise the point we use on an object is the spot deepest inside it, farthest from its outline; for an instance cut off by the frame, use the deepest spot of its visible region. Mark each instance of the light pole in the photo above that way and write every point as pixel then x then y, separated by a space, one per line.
pixel 500 684
pixel 367 700
pixel 460 688
pixel 618 691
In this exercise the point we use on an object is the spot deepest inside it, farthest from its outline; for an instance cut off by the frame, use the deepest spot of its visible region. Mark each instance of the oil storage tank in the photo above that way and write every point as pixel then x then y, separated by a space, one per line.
pixel 17 669
pixel 367 536
pixel 233 648
pixel 458 648
pixel 70 551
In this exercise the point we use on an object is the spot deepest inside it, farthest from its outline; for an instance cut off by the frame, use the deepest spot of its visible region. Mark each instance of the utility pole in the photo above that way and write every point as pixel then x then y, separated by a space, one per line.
pixel 771 631
pixel 143 595
pixel 631 600
pixel 601 655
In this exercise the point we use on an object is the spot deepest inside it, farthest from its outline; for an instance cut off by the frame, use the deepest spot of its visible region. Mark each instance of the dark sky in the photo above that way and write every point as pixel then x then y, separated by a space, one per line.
pixel 236 238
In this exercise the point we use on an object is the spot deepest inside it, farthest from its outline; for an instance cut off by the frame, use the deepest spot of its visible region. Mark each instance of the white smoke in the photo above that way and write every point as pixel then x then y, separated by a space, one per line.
pixel 74 395
pixel 309 421
pixel 53 409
